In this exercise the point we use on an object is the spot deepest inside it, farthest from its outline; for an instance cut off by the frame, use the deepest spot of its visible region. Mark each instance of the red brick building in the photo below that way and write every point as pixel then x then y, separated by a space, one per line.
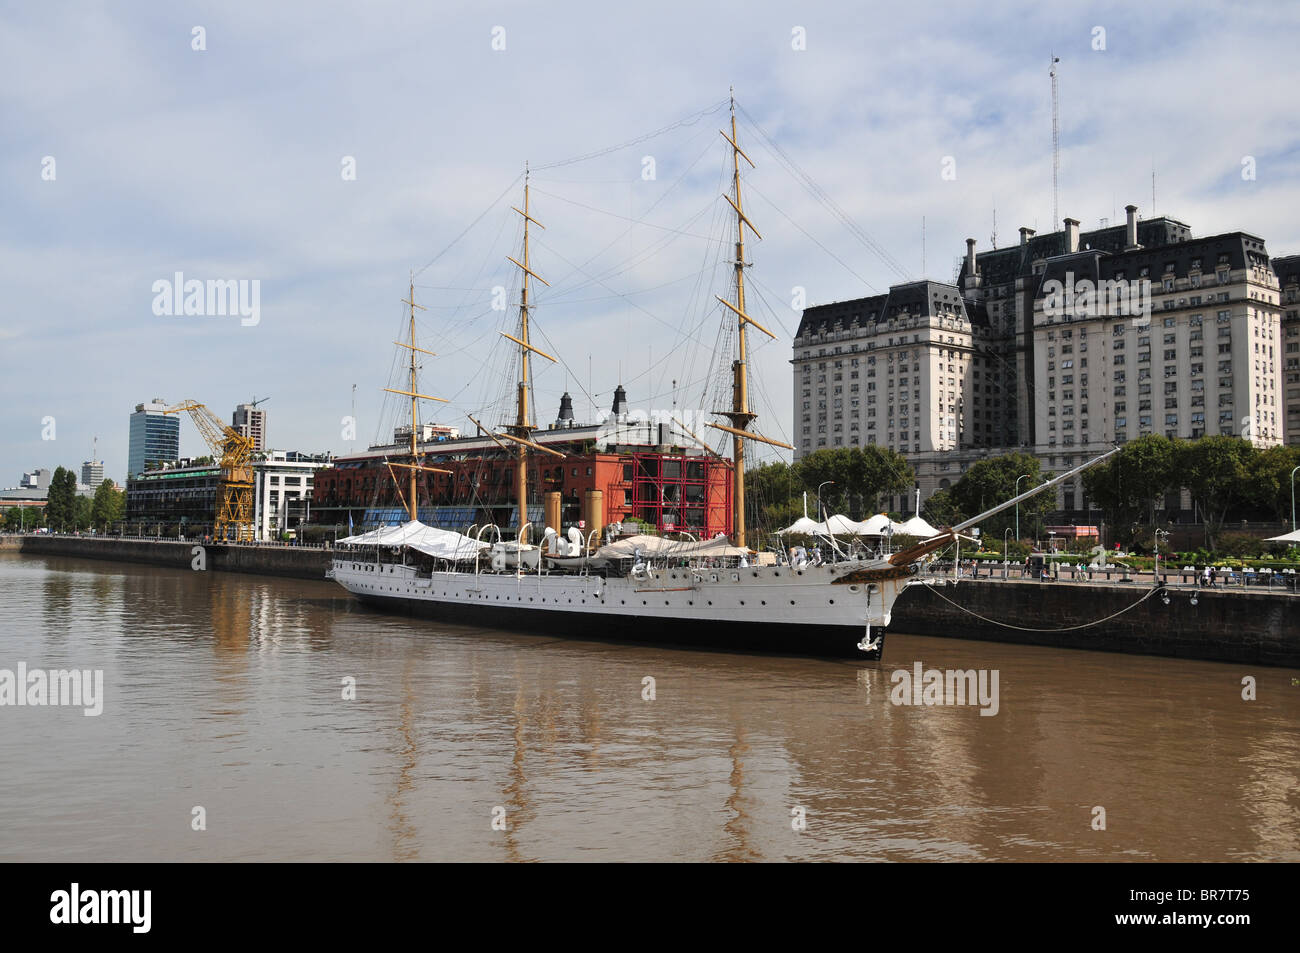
pixel 670 487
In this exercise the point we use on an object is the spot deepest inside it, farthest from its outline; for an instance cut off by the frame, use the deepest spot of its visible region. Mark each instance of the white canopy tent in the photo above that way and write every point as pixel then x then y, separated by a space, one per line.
pixel 802 525
pixel 877 525
pixel 623 548
pixel 917 527
pixel 1285 538
pixel 441 543
pixel 837 525
pixel 718 546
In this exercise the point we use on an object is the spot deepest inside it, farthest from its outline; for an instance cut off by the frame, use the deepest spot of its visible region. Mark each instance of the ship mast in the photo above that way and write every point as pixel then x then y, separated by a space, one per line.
pixel 412 502
pixel 740 414
pixel 523 427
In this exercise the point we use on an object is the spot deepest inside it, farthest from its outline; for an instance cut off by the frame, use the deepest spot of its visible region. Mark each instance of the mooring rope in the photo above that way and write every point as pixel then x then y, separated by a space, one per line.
pixel 1068 628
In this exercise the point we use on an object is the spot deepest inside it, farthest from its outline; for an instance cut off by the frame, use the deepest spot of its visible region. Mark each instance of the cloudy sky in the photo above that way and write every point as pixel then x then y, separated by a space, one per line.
pixel 129 155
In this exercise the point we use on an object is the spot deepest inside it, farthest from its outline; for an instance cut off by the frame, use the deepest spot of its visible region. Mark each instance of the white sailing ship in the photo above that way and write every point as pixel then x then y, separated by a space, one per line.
pixel 710 593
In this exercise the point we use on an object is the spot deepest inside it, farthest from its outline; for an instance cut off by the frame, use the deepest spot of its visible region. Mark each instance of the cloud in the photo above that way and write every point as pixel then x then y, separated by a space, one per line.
pixel 226 163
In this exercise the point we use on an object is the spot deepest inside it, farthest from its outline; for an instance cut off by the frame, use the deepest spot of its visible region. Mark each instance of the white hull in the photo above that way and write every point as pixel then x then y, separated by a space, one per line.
pixel 802 610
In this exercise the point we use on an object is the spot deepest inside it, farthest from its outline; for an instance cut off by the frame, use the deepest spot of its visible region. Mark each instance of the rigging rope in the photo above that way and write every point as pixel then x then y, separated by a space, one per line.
pixel 1068 628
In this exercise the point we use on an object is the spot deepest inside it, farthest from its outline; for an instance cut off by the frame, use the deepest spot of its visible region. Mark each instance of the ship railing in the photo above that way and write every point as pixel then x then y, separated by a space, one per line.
pixel 478 563
pixel 519 552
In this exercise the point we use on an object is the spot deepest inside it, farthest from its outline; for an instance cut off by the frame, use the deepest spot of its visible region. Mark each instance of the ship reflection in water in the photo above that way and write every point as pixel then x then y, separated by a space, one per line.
pixel 226 692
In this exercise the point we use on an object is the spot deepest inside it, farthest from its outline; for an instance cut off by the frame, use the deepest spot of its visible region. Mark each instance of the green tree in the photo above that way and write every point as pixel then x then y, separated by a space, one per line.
pixel 1131 486
pixel 991 481
pixel 1268 483
pixel 940 510
pixel 862 475
pixel 80 511
pixel 58 498
pixel 108 505
pixel 772 496
pixel 1215 470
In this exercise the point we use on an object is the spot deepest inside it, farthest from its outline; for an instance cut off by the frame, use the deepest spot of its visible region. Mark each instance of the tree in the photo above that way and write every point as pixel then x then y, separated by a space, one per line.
pixel 772 496
pixel 80 511
pixel 991 481
pixel 59 497
pixel 1132 485
pixel 1268 483
pixel 940 510
pixel 1215 469
pixel 108 505
pixel 862 475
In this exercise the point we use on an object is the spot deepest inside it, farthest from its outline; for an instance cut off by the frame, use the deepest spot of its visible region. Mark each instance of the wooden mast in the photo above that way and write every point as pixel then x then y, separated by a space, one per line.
pixel 523 425
pixel 740 414
pixel 412 502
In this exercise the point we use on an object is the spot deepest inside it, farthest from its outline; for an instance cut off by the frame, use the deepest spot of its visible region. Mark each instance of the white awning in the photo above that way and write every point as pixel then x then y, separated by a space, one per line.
pixel 917 527
pixel 442 543
pixel 624 548
pixel 838 525
pixel 1285 538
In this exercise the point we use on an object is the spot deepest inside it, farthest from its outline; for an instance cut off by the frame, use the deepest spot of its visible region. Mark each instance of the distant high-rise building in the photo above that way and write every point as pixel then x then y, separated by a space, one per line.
pixel 92 473
pixel 38 479
pixel 155 437
pixel 251 423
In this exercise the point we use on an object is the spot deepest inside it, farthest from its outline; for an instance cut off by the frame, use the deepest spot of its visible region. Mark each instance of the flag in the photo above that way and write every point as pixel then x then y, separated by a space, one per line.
pixel 350 523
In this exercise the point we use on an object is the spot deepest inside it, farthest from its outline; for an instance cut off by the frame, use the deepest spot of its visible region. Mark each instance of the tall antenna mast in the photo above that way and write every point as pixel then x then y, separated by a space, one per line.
pixel 740 414
pixel 1056 146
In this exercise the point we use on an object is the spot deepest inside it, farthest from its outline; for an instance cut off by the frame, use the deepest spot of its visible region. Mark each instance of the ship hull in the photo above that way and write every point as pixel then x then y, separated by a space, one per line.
pixel 821 641
pixel 773 609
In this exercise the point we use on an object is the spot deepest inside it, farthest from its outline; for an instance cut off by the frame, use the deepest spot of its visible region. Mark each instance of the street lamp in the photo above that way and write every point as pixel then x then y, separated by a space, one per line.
pixel 1017 493
pixel 820 515
pixel 1160 536
pixel 1006 553
pixel 1293 499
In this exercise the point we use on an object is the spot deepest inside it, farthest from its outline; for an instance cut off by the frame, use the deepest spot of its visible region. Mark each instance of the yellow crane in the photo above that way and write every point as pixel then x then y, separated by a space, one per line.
pixel 232 450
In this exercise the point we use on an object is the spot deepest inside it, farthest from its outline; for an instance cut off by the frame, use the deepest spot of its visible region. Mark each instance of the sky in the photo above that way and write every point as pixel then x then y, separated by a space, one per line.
pixel 332 154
